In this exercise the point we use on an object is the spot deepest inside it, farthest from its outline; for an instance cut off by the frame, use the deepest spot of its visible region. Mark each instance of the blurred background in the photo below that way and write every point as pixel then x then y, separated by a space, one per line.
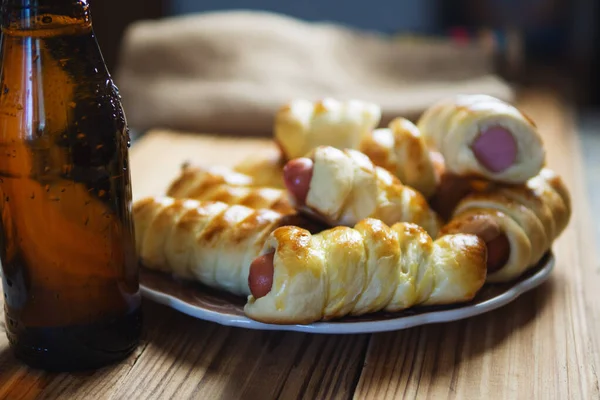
pixel 544 43
pixel 541 42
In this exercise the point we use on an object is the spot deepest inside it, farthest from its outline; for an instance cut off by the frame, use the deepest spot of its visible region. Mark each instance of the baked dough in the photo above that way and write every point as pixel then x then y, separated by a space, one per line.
pixel 401 150
pixel 532 216
pixel 227 186
pixel 265 170
pixel 206 241
pixel 555 181
pixel 346 187
pixel 371 267
pixel 453 125
pixel 542 195
pixel 538 241
pixel 302 125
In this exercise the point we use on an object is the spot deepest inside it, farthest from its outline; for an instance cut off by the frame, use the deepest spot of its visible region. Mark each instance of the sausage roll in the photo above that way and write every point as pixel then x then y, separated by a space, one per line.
pixel 518 223
pixel 481 136
pixel 451 188
pixel 401 150
pixel 343 187
pixel 265 171
pixel 302 278
pixel 210 242
pixel 227 186
pixel 302 125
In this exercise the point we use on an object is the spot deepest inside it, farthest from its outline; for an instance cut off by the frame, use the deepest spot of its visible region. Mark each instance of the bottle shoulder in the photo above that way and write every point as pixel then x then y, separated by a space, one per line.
pixel 46 25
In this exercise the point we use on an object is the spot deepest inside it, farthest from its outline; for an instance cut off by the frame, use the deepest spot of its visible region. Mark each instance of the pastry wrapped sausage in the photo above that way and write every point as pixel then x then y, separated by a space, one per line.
pixel 265 171
pixel 401 150
pixel 227 186
pixel 451 189
pixel 518 223
pixel 210 242
pixel 481 136
pixel 343 187
pixel 302 125
pixel 302 278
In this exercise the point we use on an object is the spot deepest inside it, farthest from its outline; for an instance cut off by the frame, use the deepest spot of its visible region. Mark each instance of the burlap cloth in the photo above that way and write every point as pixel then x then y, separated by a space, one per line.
pixel 228 72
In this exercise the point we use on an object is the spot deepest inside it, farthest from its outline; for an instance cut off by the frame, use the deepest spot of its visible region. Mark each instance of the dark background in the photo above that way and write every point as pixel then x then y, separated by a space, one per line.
pixel 547 42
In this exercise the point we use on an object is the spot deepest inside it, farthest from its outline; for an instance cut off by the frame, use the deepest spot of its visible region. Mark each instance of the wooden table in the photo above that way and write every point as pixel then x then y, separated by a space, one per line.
pixel 545 345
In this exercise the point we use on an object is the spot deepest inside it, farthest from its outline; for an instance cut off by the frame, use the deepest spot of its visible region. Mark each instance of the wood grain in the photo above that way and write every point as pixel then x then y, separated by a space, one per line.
pixel 160 154
pixel 182 357
pixel 544 345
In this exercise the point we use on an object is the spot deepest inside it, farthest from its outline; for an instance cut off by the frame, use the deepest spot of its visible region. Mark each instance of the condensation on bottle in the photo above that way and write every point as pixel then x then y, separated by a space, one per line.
pixel 70 272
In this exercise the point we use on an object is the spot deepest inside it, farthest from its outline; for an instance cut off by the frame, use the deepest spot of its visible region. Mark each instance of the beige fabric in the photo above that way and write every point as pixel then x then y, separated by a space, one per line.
pixel 229 72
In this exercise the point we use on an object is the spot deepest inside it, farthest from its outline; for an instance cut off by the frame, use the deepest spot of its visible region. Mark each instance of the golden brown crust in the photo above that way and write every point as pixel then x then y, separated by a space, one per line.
pixel 539 196
pixel 469 254
pixel 188 181
pixel 531 215
pixel 416 207
pixel 346 187
pixel 482 222
pixel 523 216
pixel 143 205
pixel 400 150
pixel 452 125
pixel 379 154
pixel 302 267
pixel 371 267
pixel 558 185
pixel 519 256
pixel 303 125
pixel 211 242
pixel 451 188
pixel 265 171
pixel 227 186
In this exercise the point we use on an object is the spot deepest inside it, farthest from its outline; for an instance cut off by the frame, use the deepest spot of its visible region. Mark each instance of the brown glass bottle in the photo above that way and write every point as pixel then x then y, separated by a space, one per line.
pixel 70 274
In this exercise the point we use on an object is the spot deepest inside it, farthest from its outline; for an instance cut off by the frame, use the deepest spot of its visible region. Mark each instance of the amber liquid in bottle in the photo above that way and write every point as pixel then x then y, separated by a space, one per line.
pixel 70 274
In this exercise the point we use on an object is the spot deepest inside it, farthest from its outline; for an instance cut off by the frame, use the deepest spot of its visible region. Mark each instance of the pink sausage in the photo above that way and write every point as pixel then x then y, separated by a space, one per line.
pixel 260 278
pixel 498 252
pixel 495 149
pixel 297 175
pixel 496 240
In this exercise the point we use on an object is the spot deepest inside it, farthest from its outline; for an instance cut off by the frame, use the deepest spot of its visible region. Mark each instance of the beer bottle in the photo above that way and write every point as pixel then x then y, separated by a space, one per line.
pixel 70 274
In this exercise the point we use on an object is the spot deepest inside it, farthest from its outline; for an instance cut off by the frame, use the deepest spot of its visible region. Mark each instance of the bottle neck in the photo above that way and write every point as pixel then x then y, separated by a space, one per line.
pixel 43 14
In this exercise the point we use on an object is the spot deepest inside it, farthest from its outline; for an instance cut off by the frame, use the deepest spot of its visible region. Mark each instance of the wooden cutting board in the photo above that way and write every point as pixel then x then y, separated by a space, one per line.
pixel 544 345
pixel 157 157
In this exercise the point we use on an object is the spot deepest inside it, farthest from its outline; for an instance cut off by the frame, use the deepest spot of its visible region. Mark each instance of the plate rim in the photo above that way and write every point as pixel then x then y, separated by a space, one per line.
pixel 360 327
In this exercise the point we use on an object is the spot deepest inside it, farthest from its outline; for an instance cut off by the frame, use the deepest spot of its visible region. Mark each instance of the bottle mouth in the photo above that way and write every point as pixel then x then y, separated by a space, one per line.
pixel 41 4
pixel 29 14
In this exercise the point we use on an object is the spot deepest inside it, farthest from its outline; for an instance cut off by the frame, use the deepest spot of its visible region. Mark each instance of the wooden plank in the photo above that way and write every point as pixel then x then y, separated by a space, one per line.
pixel 157 157
pixel 20 382
pixel 230 362
pixel 182 357
pixel 543 346
pixel 189 358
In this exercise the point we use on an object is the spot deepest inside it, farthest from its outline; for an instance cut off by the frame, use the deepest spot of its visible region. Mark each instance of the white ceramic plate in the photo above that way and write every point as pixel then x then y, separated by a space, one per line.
pixel 200 302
